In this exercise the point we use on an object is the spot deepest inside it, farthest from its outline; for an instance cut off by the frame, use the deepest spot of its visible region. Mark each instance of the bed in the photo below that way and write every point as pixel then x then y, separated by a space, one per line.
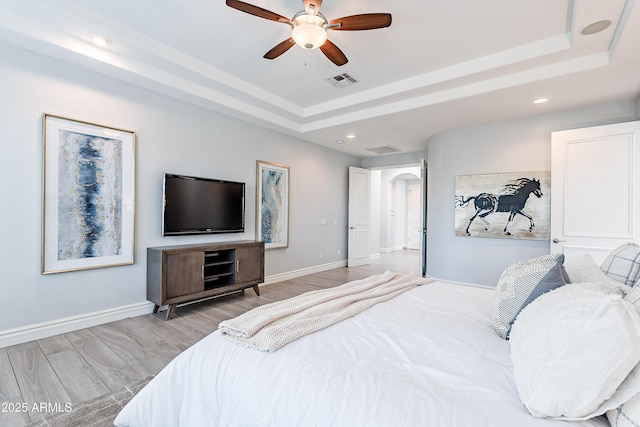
pixel 429 356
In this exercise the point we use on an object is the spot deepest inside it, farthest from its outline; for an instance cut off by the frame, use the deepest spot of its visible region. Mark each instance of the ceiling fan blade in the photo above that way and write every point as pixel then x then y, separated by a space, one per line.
pixel 334 53
pixel 279 49
pixel 365 21
pixel 257 11
pixel 315 3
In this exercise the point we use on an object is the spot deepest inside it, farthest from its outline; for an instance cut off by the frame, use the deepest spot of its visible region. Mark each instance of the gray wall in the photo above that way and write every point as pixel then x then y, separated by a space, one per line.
pixel 181 138
pixel 521 145
pixel 172 136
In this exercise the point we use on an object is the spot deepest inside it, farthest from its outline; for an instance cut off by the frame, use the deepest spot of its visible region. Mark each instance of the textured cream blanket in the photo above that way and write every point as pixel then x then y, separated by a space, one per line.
pixel 271 326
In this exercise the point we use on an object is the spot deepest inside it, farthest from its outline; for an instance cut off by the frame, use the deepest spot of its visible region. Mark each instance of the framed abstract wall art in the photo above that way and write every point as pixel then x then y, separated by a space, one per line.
pixel 272 204
pixel 506 205
pixel 88 195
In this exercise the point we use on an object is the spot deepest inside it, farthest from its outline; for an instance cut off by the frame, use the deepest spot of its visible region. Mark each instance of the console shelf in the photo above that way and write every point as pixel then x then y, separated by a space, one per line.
pixel 178 274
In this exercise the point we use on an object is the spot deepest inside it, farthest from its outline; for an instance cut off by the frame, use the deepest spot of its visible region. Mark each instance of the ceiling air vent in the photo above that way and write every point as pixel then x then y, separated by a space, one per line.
pixel 342 80
pixel 387 149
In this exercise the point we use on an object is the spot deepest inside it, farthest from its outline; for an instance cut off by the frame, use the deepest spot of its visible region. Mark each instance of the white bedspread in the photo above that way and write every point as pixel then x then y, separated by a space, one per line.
pixel 270 326
pixel 428 357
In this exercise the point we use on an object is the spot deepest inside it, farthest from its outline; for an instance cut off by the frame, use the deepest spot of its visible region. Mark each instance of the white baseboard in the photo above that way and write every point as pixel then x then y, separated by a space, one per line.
pixel 275 278
pixel 38 331
pixel 391 249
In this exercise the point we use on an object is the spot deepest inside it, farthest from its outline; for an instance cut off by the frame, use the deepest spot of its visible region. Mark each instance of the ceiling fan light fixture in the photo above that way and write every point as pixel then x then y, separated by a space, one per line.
pixel 309 27
pixel 308 30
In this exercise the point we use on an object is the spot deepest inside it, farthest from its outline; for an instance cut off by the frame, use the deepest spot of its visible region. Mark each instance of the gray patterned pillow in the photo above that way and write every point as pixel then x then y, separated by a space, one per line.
pixel 623 264
pixel 523 282
pixel 627 415
pixel 633 297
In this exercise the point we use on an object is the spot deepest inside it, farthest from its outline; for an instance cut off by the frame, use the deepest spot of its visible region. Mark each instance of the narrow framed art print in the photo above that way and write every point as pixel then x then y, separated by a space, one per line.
pixel 272 204
pixel 88 195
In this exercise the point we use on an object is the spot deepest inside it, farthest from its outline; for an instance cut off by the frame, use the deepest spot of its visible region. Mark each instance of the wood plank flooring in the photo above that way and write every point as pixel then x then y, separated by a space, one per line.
pixel 78 366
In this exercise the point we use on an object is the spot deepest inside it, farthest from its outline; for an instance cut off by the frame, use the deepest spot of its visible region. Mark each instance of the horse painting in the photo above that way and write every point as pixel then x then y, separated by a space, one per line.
pixel 513 200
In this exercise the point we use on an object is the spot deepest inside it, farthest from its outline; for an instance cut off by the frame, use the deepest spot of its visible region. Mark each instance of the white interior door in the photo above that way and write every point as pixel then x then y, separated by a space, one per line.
pixel 414 217
pixel 359 216
pixel 595 189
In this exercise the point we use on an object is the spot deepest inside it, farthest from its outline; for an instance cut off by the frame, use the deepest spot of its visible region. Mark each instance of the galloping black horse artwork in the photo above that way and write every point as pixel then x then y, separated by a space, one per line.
pixel 513 200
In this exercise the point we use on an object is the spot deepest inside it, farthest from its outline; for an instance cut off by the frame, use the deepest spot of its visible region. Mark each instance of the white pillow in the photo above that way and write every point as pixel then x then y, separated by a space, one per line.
pixel 571 348
pixel 583 269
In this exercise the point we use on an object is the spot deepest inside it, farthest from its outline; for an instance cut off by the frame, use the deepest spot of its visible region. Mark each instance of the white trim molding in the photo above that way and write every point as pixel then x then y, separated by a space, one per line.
pixel 275 278
pixel 391 249
pixel 38 331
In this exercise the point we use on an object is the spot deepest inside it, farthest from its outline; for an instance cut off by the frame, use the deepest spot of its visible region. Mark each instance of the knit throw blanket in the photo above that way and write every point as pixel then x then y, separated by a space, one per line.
pixel 271 326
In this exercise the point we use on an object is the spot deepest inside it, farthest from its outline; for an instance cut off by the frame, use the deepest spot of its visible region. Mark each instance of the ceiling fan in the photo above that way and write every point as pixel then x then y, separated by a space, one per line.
pixel 309 27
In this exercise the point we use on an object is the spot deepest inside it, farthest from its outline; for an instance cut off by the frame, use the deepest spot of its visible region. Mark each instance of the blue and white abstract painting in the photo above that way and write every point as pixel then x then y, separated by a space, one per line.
pixel 274 206
pixel 89 196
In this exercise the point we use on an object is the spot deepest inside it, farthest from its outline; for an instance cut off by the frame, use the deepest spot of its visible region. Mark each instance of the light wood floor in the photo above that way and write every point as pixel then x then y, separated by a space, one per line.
pixel 78 366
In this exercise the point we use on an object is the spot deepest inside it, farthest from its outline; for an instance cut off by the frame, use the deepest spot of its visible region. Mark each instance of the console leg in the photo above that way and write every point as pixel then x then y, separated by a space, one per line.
pixel 170 310
pixel 256 289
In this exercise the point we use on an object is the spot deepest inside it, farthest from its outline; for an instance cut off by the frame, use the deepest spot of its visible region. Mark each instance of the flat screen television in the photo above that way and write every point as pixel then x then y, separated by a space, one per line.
pixel 195 205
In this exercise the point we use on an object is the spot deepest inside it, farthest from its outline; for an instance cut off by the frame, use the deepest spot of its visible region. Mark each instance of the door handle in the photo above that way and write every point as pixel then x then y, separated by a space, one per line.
pixel 556 240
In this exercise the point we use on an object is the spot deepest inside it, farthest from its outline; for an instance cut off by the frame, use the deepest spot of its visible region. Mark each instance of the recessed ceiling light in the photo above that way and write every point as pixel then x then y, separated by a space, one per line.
pixel 351 136
pixel 100 40
pixel 596 27
pixel 339 141
pixel 540 100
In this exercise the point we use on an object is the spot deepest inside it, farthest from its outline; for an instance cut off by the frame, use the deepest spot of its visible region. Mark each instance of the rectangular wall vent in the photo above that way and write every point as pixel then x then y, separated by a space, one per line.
pixel 342 80
pixel 387 149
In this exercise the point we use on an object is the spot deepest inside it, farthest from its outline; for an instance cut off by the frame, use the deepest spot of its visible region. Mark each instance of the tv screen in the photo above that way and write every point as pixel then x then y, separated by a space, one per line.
pixel 195 205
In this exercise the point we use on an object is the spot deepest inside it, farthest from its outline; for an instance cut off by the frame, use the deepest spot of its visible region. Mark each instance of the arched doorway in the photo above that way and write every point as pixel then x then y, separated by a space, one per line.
pixel 396 215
